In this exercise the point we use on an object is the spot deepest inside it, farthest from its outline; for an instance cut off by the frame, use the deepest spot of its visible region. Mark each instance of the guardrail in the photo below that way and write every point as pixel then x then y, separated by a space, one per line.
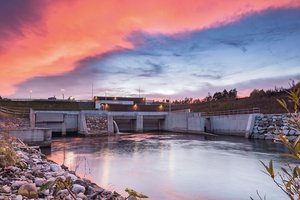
pixel 50 100
pixel 232 112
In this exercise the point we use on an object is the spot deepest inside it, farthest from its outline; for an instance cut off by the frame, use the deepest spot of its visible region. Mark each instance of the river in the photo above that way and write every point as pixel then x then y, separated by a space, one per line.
pixel 173 166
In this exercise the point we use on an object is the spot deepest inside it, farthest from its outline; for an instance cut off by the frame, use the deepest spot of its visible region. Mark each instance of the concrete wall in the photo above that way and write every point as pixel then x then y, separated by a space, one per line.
pixel 239 125
pixel 33 136
pixel 183 122
pixel 57 121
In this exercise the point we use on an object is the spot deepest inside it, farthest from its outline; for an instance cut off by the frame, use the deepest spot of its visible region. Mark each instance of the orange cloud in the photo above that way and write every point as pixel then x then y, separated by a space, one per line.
pixel 72 30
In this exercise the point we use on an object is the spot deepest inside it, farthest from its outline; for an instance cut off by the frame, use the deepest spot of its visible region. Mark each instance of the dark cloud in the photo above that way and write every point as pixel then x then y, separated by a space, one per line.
pixel 153 70
pixel 15 14
pixel 208 76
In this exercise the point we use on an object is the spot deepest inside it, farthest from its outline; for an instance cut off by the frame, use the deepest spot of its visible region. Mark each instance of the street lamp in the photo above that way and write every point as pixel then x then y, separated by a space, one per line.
pixel 30 93
pixel 62 92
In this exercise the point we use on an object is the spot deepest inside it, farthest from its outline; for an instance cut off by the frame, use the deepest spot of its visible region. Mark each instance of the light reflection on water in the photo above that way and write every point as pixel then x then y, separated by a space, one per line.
pixel 173 166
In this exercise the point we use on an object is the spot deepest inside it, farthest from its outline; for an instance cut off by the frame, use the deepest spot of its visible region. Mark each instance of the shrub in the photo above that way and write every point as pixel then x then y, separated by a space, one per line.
pixel 287 179
pixel 8 155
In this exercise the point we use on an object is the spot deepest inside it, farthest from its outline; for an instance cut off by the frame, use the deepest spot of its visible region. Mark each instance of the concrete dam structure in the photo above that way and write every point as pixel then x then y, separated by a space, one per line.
pixel 99 122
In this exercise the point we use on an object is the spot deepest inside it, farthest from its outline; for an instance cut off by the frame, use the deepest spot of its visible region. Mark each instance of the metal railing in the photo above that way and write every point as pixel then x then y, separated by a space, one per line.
pixel 232 112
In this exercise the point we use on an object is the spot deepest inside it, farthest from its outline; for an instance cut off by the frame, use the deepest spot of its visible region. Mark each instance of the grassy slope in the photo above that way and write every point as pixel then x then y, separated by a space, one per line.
pixel 47 105
pixel 266 105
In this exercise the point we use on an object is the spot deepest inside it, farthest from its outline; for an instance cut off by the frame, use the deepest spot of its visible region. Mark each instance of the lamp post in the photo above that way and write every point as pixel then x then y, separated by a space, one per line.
pixel 62 92
pixel 30 93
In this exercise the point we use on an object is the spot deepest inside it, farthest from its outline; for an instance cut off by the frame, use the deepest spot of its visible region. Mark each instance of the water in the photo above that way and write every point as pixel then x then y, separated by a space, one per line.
pixel 173 166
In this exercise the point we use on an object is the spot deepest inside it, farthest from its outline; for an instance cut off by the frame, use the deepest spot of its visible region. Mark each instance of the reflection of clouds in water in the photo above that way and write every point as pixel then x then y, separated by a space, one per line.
pixel 174 168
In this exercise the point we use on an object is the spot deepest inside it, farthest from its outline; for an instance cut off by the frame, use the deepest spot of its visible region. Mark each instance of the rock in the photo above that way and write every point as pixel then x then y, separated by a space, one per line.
pixel 64 167
pixel 269 136
pixel 46 192
pixel 17 184
pixel 6 189
pixel 55 168
pixel 28 190
pixel 64 192
pixel 271 127
pixel 72 176
pixel 292 132
pixel 291 138
pixel 285 132
pixel 82 196
pixel 39 181
pixel 78 188
pixel 18 197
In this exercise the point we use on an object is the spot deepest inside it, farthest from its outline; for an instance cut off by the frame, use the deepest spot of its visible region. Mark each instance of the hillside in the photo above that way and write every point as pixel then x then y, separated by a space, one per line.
pixel 267 105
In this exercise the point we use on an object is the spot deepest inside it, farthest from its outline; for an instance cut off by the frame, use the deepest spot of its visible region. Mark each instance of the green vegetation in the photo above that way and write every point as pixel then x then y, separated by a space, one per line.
pixel 222 101
pixel 134 195
pixel 46 105
pixel 8 155
pixel 287 179
pixel 57 185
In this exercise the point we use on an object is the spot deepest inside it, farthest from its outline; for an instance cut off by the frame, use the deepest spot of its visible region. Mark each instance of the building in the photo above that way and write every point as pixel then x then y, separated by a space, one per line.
pixel 126 104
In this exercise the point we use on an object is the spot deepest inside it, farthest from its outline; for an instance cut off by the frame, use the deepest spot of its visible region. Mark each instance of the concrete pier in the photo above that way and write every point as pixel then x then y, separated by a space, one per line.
pixel 33 136
pixel 110 124
pixel 139 124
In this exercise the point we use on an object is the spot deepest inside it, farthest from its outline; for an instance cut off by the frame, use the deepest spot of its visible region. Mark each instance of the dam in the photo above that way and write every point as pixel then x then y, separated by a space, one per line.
pixel 101 122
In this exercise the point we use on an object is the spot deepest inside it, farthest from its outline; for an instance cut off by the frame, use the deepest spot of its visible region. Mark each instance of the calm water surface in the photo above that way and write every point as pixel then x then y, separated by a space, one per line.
pixel 173 166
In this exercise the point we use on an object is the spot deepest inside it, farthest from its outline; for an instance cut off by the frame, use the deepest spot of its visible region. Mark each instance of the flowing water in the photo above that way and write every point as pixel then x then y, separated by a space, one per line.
pixel 173 166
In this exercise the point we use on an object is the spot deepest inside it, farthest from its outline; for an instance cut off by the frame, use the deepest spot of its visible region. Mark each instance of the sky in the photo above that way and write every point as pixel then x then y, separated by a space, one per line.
pixel 156 49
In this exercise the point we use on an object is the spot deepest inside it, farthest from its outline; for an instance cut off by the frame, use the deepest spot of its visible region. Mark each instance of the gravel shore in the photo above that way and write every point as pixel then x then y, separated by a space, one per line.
pixel 35 177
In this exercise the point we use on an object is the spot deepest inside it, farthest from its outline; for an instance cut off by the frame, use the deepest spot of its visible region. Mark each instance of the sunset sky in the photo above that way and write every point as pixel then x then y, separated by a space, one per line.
pixel 165 48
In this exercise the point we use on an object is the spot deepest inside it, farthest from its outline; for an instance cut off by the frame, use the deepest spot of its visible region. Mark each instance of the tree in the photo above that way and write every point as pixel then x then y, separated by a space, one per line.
pixel 257 93
pixel 225 94
pixel 232 93
pixel 217 96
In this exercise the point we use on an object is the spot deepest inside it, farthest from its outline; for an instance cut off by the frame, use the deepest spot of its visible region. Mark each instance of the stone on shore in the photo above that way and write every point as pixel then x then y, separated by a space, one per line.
pixel 34 177
pixel 78 188
pixel 28 190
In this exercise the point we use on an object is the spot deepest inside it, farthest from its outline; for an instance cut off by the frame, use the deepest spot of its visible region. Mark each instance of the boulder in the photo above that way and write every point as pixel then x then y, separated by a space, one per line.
pixel 55 168
pixel 39 181
pixel 28 190
pixel 78 188
pixel 18 184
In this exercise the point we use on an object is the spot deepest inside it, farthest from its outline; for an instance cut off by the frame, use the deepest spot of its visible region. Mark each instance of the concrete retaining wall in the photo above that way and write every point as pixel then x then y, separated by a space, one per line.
pixel 238 125
pixel 183 122
pixel 33 136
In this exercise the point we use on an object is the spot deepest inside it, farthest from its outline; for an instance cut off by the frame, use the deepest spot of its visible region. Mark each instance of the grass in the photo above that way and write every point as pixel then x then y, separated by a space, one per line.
pixel 8 155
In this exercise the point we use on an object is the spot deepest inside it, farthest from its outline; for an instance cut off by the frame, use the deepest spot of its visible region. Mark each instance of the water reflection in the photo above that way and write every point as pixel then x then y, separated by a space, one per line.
pixel 173 166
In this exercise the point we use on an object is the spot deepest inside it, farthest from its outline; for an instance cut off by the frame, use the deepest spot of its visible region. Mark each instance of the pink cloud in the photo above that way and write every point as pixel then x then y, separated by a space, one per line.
pixel 72 30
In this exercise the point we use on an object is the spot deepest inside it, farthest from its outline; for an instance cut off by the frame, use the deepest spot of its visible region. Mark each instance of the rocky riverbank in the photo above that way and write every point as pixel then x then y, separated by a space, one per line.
pixel 9 123
pixel 35 177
